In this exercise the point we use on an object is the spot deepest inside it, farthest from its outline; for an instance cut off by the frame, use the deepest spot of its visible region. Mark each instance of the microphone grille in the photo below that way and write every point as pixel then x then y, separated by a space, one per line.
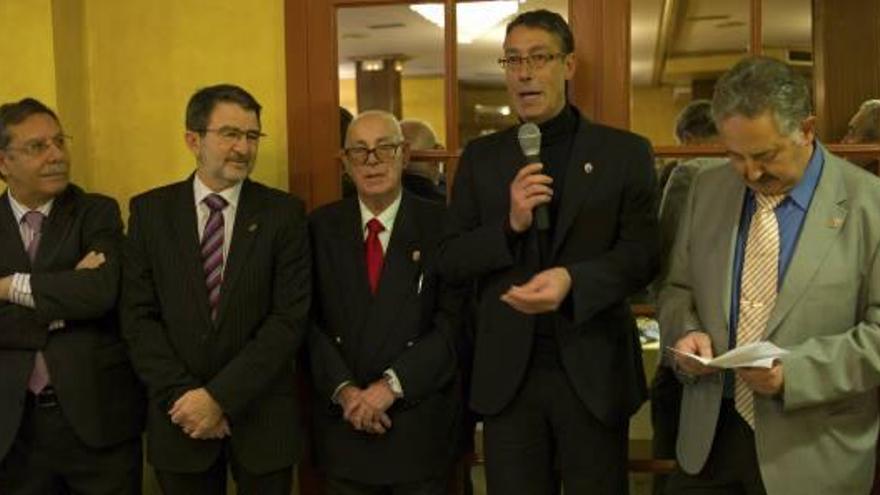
pixel 530 139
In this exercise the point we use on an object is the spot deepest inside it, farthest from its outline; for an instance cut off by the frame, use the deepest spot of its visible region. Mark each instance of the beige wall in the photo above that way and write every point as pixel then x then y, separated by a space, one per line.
pixel 653 114
pixel 120 74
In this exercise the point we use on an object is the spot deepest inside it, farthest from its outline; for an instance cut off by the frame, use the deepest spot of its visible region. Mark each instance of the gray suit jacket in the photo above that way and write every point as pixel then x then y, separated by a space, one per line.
pixel 820 435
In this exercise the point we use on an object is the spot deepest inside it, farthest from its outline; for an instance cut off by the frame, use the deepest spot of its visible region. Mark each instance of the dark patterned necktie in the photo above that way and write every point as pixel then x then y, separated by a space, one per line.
pixel 212 250
pixel 374 253
pixel 40 375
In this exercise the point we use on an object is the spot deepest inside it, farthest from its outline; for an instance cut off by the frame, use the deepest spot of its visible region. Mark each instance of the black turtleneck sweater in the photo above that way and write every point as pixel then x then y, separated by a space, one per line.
pixel 557 137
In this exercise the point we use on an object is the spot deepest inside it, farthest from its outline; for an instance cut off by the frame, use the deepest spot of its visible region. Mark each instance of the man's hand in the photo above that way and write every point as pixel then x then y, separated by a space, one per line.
pixel 91 261
pixel 362 413
pixel 765 381
pixel 543 293
pixel 5 284
pixel 197 413
pixel 222 430
pixel 529 189
pixel 698 343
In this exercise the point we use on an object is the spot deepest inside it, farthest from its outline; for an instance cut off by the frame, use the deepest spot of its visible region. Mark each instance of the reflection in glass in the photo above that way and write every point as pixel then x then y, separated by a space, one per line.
pixel 392 58
pixel 679 49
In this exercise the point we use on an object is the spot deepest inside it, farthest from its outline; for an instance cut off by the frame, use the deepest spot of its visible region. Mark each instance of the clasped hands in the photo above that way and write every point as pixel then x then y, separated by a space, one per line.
pixel 366 409
pixel 199 415
pixel 764 381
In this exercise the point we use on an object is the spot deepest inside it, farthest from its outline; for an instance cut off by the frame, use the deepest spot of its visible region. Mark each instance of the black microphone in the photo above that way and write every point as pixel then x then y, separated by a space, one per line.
pixel 530 142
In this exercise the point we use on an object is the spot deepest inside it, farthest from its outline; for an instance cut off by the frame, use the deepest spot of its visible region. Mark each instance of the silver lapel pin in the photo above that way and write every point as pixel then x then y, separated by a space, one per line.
pixel 252 227
pixel 588 168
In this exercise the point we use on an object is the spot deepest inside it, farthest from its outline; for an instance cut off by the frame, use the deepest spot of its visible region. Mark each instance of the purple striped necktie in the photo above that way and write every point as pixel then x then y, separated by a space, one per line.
pixel 212 250
pixel 40 375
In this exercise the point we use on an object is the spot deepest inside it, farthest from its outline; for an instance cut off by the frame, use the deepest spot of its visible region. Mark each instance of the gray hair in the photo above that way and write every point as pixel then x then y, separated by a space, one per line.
pixel 870 112
pixel 757 85
pixel 695 122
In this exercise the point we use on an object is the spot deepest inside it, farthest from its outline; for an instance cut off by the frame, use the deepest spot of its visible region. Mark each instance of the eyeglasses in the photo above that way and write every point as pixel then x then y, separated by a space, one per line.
pixel 231 135
pixel 38 147
pixel 533 61
pixel 359 155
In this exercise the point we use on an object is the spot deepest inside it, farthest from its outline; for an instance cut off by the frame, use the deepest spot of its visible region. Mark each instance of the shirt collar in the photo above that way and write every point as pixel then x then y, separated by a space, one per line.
pixel 802 193
pixel 19 209
pixel 230 194
pixel 386 217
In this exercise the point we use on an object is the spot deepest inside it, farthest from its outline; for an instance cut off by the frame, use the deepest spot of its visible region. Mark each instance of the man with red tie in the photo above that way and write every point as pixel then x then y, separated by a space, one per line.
pixel 383 339
pixel 215 298
pixel 72 408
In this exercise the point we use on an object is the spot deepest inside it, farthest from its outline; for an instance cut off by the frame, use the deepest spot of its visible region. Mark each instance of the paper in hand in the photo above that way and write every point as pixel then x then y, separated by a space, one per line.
pixel 755 355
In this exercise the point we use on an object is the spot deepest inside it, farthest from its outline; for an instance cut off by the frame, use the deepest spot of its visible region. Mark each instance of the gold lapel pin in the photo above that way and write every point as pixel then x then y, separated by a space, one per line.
pixel 588 168
pixel 252 227
pixel 416 256
pixel 835 222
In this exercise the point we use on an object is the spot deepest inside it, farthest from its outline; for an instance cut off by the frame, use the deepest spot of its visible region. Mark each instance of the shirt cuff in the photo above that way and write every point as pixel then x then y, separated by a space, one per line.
pixel 393 382
pixel 334 397
pixel 20 290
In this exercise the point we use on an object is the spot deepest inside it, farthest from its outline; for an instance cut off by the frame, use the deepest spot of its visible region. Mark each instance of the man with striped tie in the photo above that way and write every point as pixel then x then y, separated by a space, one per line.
pixel 71 408
pixel 216 289
pixel 782 245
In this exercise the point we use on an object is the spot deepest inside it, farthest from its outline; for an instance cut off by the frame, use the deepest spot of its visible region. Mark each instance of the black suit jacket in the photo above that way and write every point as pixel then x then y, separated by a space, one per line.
pixel 99 393
pixel 357 336
pixel 605 235
pixel 245 359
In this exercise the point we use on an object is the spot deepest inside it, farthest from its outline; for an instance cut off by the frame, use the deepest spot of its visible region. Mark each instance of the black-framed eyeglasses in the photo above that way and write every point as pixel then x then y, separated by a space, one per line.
pixel 532 61
pixel 38 147
pixel 359 155
pixel 231 135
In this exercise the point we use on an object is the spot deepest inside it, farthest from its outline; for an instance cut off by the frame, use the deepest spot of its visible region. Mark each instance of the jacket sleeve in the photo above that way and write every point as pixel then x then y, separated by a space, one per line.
pixel 85 294
pixel 153 356
pixel 632 261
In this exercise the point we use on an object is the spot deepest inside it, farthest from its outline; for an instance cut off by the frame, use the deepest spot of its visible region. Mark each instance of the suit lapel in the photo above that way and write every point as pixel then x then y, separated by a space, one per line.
pixel 186 234
pixel 822 225
pixel 577 181
pixel 11 245
pixel 57 227
pixel 729 201
pixel 245 231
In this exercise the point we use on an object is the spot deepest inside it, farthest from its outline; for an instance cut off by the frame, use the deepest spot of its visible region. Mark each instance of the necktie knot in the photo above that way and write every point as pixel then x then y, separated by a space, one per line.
pixel 34 220
pixel 768 201
pixel 374 226
pixel 215 202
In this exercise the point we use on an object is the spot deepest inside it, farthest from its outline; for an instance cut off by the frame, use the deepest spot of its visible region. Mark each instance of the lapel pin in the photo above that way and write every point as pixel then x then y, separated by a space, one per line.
pixel 835 222
pixel 252 227
pixel 588 168
pixel 416 255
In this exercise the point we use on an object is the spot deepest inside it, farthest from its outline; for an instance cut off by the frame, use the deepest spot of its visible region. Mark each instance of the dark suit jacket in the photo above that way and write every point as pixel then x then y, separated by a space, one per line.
pixel 99 393
pixel 245 360
pixel 605 235
pixel 357 336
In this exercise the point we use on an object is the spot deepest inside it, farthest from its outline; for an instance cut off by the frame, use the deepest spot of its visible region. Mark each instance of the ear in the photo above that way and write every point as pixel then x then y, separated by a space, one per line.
pixel 569 66
pixel 193 141
pixel 4 171
pixel 808 127
pixel 404 154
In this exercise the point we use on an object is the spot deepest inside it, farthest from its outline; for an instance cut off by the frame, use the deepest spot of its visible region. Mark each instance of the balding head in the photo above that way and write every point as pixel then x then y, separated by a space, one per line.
pixel 375 154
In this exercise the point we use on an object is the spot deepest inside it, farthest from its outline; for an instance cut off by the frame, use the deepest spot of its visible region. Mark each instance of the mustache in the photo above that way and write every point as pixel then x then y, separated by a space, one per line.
pixel 58 167
pixel 239 157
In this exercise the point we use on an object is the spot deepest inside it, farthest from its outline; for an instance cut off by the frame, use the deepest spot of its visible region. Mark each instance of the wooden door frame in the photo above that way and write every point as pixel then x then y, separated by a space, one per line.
pixel 600 87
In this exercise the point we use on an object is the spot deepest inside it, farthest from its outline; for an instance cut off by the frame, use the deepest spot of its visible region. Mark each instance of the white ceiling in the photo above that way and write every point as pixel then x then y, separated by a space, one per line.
pixel 700 28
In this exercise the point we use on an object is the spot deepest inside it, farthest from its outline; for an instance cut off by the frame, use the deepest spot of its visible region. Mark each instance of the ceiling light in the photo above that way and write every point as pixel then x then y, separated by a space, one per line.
pixel 474 18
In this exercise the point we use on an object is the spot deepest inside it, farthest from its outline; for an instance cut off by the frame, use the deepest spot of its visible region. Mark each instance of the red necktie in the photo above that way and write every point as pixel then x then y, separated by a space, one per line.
pixel 373 250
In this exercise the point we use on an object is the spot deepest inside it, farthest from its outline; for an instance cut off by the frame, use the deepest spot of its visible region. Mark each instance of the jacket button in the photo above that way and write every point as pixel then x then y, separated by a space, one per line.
pixel 338 340
pixel 410 343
